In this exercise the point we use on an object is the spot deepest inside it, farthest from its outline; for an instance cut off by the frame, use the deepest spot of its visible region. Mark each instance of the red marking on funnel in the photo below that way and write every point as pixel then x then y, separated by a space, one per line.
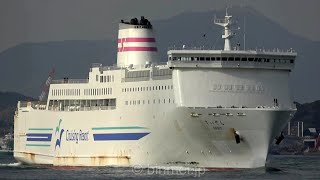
pixel 121 40
pixel 125 49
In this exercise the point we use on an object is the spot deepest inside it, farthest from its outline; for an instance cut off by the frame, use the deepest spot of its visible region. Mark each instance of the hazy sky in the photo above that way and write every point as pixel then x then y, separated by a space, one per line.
pixel 56 20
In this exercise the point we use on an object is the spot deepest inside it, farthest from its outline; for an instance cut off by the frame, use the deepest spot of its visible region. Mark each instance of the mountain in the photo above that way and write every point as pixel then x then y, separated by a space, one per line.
pixel 309 113
pixel 25 67
pixel 8 104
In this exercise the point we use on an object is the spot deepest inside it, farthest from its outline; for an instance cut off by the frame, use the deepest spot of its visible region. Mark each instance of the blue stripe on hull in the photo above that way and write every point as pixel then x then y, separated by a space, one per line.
pixel 118 136
pixel 39 137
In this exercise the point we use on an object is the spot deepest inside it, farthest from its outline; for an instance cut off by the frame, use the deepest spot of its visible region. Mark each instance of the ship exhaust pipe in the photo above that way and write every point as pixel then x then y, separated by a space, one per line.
pixel 279 138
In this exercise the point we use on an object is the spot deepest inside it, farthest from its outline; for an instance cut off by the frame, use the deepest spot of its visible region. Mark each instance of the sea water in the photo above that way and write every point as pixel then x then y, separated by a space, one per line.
pixel 277 167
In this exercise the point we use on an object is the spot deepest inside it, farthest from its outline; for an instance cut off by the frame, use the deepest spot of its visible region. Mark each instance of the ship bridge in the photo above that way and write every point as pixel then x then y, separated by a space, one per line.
pixel 231 77
pixel 206 58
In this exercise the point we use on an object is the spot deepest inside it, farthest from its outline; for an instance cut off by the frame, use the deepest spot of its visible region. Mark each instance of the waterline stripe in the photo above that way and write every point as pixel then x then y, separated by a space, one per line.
pixel 40 129
pixel 116 128
pixel 43 145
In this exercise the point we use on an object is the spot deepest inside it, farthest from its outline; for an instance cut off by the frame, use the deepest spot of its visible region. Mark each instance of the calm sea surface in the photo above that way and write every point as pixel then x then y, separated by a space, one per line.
pixel 278 167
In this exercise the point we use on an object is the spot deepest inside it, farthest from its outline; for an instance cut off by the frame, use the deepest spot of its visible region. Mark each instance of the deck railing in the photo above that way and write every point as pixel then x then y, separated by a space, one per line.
pixel 69 81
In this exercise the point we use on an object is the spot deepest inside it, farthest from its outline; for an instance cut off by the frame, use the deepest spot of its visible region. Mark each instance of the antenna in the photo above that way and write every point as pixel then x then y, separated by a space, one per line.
pixel 226 23
pixel 244 33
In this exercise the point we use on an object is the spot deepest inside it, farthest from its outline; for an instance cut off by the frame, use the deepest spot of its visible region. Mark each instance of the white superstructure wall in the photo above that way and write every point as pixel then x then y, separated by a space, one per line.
pixel 231 87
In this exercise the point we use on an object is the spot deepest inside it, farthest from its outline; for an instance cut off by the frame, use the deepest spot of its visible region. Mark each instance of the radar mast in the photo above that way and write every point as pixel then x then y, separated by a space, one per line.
pixel 226 23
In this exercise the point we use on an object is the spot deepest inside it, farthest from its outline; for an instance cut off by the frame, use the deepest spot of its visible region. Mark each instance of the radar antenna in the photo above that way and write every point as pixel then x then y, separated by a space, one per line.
pixel 228 34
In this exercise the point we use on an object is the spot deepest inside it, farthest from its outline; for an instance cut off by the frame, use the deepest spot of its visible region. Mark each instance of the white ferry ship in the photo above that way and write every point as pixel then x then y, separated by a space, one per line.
pixel 202 108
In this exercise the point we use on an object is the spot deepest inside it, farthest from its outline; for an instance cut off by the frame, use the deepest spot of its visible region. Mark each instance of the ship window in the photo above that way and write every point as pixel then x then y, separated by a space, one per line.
pixel 165 87
pixel 164 100
pixel 159 88
pixel 126 103
pixel 255 59
pixel 237 59
pixel 231 59
pixel 154 101
pixel 162 88
pixel 244 59
pixel 156 87
pixel 159 101
pixel 201 58
pixel 171 86
pixel 218 58
pixel 148 101
pixel 142 101
pixel 224 58
pixel 259 59
pixel 213 58
pixel 192 58
pixel 97 78
pixel 112 78
pixel 250 59
pixel 138 102
pixel 169 100
pixel 291 60
pixel 207 58
pixel 169 58
pixel 174 58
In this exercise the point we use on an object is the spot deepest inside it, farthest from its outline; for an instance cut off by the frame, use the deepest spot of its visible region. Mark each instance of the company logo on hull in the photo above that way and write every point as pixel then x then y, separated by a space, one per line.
pixel 58 141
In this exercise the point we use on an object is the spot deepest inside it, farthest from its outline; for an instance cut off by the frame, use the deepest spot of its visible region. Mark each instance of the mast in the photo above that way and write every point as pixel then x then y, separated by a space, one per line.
pixel 226 23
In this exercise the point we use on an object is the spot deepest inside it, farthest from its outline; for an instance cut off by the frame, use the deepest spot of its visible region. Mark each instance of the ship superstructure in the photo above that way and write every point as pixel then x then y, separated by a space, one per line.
pixel 203 107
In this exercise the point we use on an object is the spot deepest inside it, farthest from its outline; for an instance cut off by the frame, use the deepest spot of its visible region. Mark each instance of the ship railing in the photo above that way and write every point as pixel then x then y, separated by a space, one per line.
pixel 39 105
pixel 160 63
pixel 109 68
pixel 81 108
pixel 70 81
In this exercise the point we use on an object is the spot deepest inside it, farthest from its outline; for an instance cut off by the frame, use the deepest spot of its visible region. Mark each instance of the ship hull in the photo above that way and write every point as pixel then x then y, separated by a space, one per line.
pixel 197 137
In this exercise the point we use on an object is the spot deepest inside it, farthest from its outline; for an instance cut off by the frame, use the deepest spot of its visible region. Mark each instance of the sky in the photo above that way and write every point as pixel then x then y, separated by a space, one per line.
pixel 57 20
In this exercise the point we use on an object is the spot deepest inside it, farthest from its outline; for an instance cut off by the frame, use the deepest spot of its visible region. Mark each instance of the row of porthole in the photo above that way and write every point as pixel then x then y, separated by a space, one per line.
pixel 65 92
pixel 154 101
pixel 97 92
pixel 148 88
